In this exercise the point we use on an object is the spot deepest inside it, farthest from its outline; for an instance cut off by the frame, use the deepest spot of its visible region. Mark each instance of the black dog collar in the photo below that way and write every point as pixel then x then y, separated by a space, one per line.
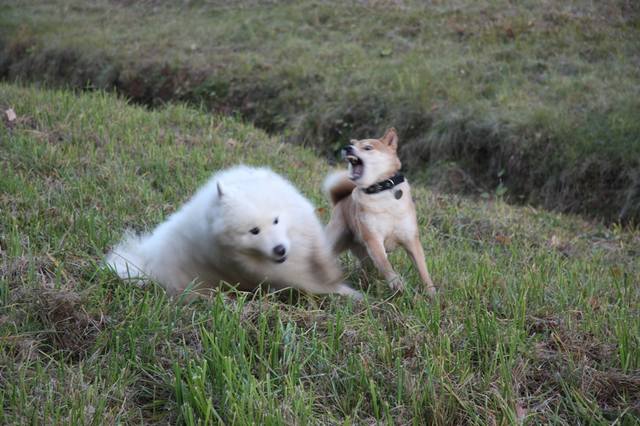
pixel 385 184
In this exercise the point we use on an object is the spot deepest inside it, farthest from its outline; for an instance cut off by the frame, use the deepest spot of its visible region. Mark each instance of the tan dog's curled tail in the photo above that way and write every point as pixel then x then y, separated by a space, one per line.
pixel 338 186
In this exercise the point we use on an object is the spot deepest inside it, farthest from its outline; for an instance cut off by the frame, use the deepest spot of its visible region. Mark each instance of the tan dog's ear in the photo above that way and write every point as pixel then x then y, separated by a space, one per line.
pixel 390 138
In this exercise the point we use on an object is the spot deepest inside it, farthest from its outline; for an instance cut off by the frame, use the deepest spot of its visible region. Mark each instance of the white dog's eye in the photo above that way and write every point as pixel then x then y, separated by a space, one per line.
pixel 275 221
pixel 368 148
pixel 255 231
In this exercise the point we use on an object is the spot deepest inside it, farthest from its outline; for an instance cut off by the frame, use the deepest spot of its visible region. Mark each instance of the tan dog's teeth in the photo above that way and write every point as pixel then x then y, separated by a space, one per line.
pixel 353 159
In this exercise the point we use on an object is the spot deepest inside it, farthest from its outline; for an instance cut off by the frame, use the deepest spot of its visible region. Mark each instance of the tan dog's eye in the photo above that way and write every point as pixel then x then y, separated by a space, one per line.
pixel 255 231
pixel 368 148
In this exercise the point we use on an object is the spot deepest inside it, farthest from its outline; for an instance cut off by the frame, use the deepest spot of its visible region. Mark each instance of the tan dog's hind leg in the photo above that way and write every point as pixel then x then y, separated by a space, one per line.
pixel 378 255
pixel 360 252
pixel 337 232
pixel 414 248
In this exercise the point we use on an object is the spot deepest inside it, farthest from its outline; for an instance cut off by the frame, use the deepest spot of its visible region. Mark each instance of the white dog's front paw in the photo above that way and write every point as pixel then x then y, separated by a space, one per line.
pixel 396 283
pixel 345 290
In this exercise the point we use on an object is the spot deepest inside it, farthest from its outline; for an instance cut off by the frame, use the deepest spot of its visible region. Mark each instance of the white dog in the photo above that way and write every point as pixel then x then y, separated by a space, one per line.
pixel 246 226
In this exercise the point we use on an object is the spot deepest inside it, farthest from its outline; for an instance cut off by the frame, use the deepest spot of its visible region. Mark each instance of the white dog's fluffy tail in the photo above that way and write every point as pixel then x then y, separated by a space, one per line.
pixel 337 186
pixel 127 259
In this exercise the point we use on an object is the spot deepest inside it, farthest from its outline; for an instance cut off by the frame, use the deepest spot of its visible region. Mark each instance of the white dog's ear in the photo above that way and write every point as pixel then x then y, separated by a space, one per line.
pixel 220 191
pixel 391 138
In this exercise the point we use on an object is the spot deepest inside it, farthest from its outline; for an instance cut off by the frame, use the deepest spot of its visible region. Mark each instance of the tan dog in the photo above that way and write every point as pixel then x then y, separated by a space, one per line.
pixel 374 212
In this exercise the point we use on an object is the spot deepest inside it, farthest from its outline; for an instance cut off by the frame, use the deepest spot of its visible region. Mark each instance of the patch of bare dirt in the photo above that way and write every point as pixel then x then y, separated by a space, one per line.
pixel 66 324
pixel 567 357
pixel 70 327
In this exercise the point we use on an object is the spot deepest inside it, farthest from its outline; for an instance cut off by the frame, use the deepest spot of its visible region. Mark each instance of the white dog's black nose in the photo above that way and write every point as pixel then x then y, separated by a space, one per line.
pixel 279 250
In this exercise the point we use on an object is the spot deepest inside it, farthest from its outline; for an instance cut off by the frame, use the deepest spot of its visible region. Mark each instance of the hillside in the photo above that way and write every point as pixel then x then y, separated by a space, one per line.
pixel 536 321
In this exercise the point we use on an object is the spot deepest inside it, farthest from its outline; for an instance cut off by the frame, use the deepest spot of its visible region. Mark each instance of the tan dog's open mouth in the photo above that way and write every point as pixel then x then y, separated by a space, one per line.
pixel 356 167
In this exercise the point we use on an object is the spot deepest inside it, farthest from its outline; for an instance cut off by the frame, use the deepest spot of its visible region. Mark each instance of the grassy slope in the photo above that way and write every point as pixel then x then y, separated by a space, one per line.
pixel 540 97
pixel 537 318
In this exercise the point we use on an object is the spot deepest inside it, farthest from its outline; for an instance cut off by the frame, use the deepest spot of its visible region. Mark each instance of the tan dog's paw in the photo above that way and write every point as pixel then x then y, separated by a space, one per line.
pixel 396 283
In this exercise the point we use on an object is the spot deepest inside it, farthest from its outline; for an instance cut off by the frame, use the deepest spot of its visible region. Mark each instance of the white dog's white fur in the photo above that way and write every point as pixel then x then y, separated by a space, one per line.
pixel 245 226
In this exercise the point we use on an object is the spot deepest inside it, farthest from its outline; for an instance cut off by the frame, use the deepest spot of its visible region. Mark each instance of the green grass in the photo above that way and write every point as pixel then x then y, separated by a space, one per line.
pixel 538 98
pixel 536 321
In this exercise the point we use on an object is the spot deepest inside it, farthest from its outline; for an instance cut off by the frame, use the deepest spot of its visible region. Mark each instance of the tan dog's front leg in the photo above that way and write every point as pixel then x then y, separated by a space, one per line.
pixel 414 248
pixel 378 255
